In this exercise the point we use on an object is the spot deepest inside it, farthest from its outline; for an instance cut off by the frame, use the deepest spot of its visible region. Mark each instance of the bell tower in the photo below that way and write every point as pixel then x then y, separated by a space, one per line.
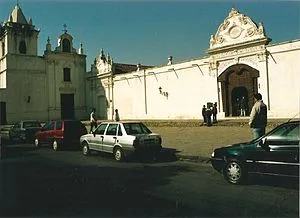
pixel 17 35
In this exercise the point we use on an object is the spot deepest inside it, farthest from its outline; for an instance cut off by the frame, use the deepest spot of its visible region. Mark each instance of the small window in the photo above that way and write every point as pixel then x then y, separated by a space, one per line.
pixel 100 130
pixel 67 74
pixel 112 129
pixel 49 125
pixel 58 124
pixel 22 47
pixel 66 45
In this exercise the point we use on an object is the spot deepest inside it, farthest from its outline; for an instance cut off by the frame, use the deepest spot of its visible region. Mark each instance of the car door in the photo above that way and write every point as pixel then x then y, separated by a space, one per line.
pixel 45 134
pixel 14 133
pixel 96 139
pixel 283 154
pixel 110 138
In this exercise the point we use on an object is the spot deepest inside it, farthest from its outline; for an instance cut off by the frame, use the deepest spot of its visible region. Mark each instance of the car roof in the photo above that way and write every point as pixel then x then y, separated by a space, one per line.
pixel 120 122
pixel 29 121
pixel 292 121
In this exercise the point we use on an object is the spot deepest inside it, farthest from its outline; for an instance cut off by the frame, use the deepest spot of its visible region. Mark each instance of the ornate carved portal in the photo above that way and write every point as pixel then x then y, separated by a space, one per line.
pixel 238 82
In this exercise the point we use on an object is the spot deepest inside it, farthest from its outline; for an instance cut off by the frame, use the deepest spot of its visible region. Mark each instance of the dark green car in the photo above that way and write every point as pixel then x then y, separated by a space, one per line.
pixel 276 153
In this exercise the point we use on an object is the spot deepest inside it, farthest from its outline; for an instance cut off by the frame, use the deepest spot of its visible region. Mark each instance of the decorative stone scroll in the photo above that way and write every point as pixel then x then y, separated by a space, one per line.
pixel 236 28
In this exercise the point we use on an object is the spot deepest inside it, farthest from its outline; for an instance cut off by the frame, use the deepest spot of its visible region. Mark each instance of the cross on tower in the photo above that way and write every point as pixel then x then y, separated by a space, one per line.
pixel 65 28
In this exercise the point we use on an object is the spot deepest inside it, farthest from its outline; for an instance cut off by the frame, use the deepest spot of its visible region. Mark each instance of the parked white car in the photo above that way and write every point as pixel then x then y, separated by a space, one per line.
pixel 121 139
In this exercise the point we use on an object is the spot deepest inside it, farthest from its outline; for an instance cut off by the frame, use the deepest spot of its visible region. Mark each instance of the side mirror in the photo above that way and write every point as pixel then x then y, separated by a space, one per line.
pixel 264 144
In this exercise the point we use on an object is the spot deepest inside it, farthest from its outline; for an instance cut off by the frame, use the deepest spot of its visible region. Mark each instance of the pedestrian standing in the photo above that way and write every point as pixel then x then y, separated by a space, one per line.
pixel 215 112
pixel 117 116
pixel 258 117
pixel 93 120
pixel 243 107
pixel 208 116
pixel 204 114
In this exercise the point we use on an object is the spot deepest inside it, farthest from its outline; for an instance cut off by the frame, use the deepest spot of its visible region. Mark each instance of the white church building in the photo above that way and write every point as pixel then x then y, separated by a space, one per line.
pixel 44 87
pixel 240 61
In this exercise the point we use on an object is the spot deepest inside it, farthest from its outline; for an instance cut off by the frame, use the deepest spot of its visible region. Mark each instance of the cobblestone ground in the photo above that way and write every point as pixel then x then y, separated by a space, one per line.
pixel 200 141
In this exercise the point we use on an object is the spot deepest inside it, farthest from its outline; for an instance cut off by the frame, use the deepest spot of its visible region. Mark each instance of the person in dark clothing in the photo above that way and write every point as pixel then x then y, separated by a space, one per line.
pixel 204 114
pixel 214 112
pixel 208 116
pixel 117 116
pixel 243 107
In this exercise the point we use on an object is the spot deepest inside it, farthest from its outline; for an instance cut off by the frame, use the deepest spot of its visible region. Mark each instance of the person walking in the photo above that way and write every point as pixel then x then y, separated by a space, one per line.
pixel 93 120
pixel 117 116
pixel 214 112
pixel 258 117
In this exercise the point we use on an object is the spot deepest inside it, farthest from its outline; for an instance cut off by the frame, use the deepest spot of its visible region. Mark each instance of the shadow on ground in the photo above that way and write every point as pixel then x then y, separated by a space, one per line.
pixel 38 187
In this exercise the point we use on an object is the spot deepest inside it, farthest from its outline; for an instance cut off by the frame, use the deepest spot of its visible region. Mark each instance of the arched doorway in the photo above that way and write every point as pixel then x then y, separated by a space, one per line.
pixel 238 82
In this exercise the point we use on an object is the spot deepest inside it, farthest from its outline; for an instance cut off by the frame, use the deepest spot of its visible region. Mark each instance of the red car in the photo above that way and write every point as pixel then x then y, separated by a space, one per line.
pixel 61 134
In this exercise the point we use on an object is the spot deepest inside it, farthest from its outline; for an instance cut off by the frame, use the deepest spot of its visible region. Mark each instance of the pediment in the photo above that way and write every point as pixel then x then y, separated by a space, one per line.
pixel 237 28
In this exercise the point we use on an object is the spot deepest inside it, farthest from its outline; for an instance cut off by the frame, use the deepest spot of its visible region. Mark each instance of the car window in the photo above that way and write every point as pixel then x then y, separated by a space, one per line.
pixel 29 124
pixel 49 125
pixel 100 129
pixel 58 124
pixel 286 132
pixel 112 129
pixel 16 125
pixel 136 128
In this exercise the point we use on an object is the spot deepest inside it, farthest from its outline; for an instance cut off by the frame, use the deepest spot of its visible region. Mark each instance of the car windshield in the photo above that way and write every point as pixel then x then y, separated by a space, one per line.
pixel 29 124
pixel 136 128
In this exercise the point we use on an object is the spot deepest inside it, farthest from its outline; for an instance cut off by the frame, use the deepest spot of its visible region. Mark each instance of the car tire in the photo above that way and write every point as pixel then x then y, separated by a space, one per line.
pixel 118 154
pixel 36 143
pixel 234 172
pixel 85 149
pixel 55 145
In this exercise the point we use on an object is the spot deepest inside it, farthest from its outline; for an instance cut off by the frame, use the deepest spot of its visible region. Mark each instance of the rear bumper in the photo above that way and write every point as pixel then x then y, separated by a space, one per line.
pixel 142 150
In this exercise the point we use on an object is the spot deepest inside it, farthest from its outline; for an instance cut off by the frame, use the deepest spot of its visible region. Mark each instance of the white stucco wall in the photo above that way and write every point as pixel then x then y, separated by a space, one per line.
pixel 25 88
pixel 284 74
pixel 185 89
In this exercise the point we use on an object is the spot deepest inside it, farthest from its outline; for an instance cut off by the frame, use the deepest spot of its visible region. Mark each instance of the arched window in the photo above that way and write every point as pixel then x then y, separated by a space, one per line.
pixel 66 47
pixel 22 47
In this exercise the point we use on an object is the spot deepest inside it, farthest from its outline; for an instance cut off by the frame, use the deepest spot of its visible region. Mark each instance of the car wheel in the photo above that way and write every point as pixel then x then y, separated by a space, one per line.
pixel 36 143
pixel 118 154
pixel 55 145
pixel 85 149
pixel 234 172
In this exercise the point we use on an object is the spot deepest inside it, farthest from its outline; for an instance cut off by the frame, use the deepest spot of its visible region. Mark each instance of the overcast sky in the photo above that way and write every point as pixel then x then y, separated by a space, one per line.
pixel 148 32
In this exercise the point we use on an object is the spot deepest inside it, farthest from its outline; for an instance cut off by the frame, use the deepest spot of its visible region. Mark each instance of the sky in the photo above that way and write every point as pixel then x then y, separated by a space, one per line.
pixel 148 32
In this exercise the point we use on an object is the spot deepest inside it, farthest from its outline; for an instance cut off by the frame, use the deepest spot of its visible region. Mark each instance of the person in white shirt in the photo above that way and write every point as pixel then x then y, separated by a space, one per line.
pixel 93 120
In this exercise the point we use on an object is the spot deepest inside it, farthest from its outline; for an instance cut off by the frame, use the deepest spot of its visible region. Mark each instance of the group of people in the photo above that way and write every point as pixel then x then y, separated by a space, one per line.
pixel 207 113
pixel 257 120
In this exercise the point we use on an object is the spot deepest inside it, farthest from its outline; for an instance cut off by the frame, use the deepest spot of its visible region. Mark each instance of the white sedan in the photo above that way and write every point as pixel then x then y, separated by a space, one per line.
pixel 121 139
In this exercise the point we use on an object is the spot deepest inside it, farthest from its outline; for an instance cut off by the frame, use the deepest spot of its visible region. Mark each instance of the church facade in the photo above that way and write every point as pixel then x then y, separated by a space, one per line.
pixel 240 61
pixel 45 87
